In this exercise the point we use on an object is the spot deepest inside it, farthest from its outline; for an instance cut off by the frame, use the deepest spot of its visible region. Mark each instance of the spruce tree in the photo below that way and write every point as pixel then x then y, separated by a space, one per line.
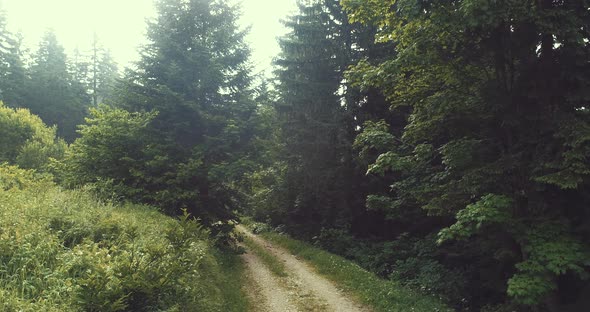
pixel 53 93
pixel 103 73
pixel 194 72
pixel 12 70
pixel 314 114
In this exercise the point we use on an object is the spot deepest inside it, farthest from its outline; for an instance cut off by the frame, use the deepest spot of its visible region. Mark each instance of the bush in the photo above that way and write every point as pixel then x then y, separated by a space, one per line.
pixel 380 294
pixel 375 256
pixel 65 251
pixel 267 202
pixel 110 155
pixel 408 260
pixel 26 141
pixel 429 276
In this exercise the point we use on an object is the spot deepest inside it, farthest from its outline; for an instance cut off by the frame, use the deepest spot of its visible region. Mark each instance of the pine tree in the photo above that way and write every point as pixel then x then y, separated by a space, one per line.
pixel 12 70
pixel 53 92
pixel 104 73
pixel 194 72
pixel 95 72
pixel 315 111
pixel 4 46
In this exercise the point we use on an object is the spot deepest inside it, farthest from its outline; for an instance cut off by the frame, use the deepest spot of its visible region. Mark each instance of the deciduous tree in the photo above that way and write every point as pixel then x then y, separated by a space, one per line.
pixel 497 140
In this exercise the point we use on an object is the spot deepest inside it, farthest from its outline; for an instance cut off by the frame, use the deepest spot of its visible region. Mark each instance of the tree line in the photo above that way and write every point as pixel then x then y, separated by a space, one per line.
pixel 443 144
pixel 58 88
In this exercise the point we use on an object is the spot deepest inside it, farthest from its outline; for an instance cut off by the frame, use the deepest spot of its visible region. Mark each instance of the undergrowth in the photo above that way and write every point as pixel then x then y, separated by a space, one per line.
pixel 65 251
pixel 381 294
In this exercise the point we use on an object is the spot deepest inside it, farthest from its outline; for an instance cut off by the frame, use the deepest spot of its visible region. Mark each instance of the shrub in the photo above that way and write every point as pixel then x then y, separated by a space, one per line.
pixel 408 260
pixel 26 141
pixel 429 276
pixel 110 155
pixel 63 250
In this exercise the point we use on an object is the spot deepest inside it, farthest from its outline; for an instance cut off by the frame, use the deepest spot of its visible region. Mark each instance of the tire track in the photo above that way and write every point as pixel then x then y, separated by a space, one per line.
pixel 307 289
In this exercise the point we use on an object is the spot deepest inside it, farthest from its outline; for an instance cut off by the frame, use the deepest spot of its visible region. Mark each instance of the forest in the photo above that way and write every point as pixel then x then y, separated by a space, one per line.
pixel 441 145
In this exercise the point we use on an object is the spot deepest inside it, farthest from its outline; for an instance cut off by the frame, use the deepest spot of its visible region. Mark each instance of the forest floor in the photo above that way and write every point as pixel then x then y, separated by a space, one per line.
pixel 296 287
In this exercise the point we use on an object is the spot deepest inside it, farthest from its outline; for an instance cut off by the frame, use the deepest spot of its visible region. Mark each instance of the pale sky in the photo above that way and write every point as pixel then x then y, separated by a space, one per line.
pixel 120 24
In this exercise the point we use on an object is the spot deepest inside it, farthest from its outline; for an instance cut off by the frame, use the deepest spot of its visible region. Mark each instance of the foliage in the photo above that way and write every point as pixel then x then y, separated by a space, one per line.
pixel 26 141
pixel 550 252
pixel 569 168
pixel 50 84
pixel 315 174
pixel 265 188
pixel 194 72
pixel 375 136
pixel 412 262
pixel 492 101
pixel 104 73
pixel 12 68
pixel 381 294
pixel 95 71
pixel 429 276
pixel 53 93
pixel 489 209
pixel 442 144
pixel 111 154
pixel 65 251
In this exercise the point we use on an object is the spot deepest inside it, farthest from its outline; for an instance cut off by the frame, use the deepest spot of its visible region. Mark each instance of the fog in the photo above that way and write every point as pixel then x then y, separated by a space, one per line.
pixel 120 25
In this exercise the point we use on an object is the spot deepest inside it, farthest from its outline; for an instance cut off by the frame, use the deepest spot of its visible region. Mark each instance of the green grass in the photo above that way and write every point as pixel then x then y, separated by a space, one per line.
pixel 273 263
pixel 64 250
pixel 233 278
pixel 382 295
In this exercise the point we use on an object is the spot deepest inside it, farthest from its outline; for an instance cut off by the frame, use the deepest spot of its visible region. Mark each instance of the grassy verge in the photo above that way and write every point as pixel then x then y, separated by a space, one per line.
pixel 232 281
pixel 65 251
pixel 304 301
pixel 272 262
pixel 382 295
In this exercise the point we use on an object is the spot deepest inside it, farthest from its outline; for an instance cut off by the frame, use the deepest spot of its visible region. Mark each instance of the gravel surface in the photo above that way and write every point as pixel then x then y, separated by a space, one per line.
pixel 302 290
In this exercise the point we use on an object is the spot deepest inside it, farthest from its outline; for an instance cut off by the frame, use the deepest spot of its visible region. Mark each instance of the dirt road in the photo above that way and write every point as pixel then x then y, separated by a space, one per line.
pixel 301 290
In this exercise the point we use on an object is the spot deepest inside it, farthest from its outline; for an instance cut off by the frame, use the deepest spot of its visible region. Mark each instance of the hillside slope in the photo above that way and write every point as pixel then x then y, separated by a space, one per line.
pixel 65 251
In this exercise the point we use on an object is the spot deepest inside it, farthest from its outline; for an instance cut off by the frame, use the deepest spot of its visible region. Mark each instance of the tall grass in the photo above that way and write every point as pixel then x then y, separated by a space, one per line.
pixel 65 251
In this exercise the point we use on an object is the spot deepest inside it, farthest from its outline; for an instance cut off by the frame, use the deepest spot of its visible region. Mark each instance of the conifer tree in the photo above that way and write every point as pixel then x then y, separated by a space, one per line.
pixel 12 70
pixel 194 72
pixel 315 109
pixel 53 93
pixel 103 73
